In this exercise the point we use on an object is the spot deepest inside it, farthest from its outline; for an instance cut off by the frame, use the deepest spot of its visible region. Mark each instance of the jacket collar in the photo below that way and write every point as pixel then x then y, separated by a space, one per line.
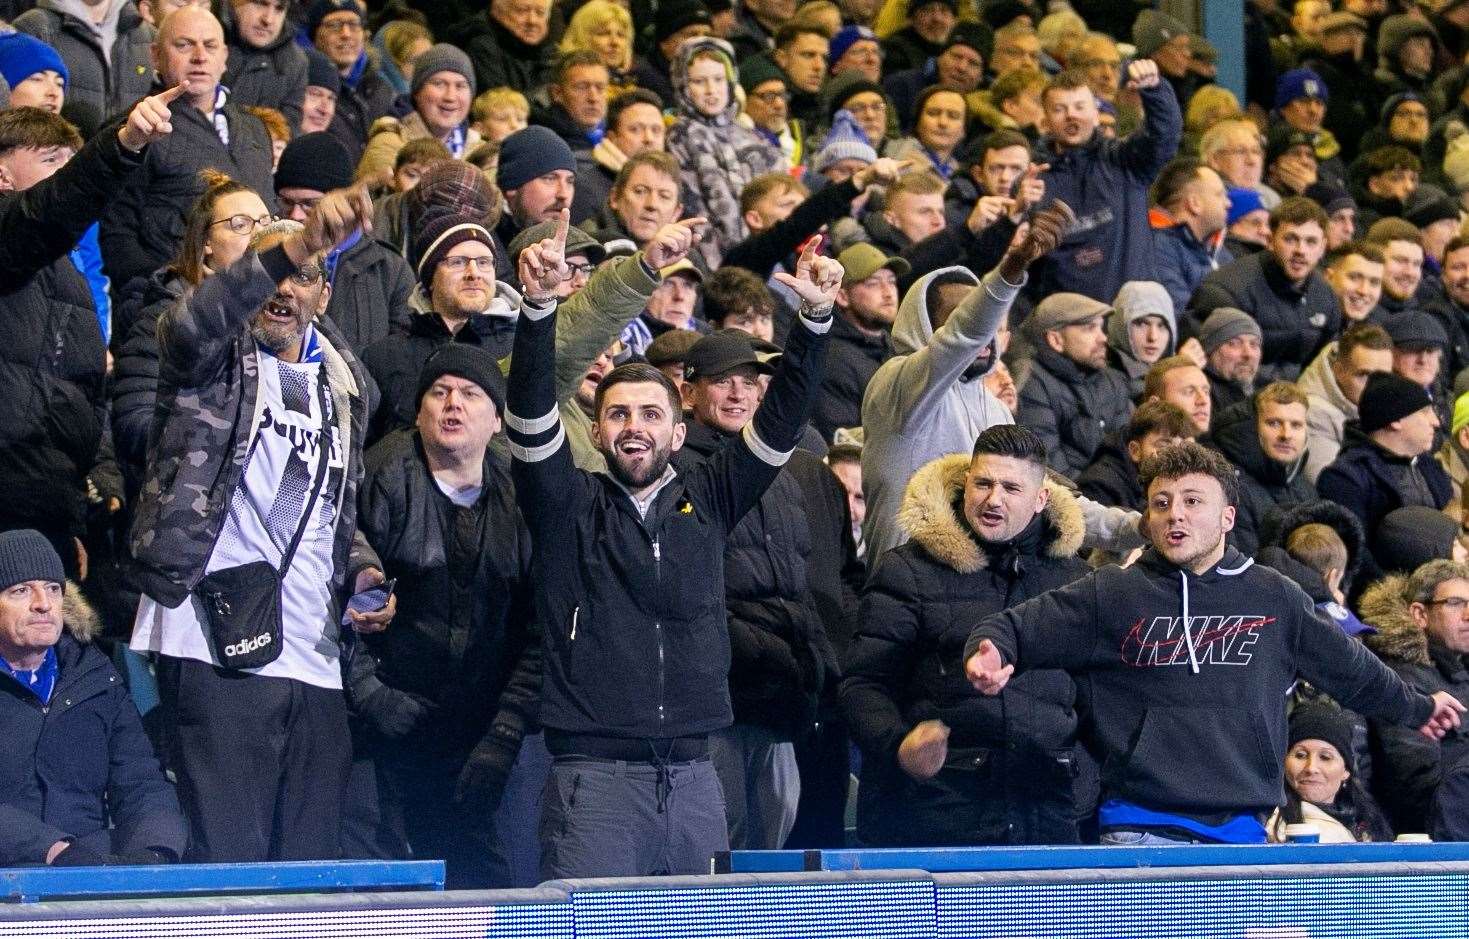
pixel 1278 282
pixel 1384 605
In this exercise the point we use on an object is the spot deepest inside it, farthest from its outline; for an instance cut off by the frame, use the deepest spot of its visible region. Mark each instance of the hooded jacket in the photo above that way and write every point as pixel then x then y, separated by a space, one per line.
pixel 1183 260
pixel 1265 485
pixel 1409 765
pixel 1327 412
pixel 1276 531
pixel 1106 183
pixel 1009 774
pixel 110 65
pixel 1185 677
pixel 1071 408
pixel 81 767
pixel 272 77
pixel 1119 341
pixel 718 155
pixel 1367 480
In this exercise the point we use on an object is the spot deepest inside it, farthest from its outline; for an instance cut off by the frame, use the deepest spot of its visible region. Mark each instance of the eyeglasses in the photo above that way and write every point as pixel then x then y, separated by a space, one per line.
pixel 290 205
pixel 460 264
pixel 876 107
pixel 581 268
pixel 342 26
pixel 1242 151
pixel 244 224
pixel 770 97
pixel 306 275
pixel 1455 605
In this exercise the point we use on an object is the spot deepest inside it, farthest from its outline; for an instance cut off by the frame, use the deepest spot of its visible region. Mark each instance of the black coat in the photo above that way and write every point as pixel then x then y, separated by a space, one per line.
pixel 464 639
pixel 501 59
pixel 780 658
pixel 80 765
pixel 1294 323
pixel 145 219
pixel 273 77
pixel 853 360
pixel 1266 486
pixel 1072 409
pixel 358 107
pixel 1009 774
pixel 134 385
pixel 395 360
pixel 1367 480
pixel 52 360
pixel 1223 393
pixel 1112 479
pixel 370 292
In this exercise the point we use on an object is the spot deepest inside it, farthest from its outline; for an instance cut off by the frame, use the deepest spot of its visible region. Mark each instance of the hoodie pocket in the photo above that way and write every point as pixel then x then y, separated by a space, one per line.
pixel 1201 759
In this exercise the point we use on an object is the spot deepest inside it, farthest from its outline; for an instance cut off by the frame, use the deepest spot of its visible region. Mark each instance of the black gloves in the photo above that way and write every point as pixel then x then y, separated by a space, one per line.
pixel 395 713
pixel 483 778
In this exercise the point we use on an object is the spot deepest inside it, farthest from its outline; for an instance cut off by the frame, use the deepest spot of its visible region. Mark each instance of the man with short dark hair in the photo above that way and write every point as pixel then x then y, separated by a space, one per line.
pixel 578 93
pixel 1390 176
pixel 1112 478
pixel 1333 384
pixel 1266 438
pixel 1192 621
pixel 990 531
pixel 267 67
pixel 1354 272
pixel 1402 267
pixel 634 123
pixel 800 53
pixel 1190 211
pixel 338 29
pixel 628 712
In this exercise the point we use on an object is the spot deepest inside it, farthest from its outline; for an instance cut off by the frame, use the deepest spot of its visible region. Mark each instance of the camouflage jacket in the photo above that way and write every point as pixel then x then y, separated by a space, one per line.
pixel 203 423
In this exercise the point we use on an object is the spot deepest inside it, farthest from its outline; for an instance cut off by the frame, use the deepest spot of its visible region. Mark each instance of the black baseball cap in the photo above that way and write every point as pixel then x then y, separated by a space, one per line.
pixel 720 353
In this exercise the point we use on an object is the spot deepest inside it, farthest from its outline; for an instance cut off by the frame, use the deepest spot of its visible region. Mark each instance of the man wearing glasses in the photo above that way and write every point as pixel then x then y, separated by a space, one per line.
pixel 336 28
pixel 261 414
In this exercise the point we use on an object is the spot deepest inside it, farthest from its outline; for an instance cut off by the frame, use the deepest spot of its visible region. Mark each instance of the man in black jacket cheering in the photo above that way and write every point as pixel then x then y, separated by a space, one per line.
pixel 1185 658
pixel 629 575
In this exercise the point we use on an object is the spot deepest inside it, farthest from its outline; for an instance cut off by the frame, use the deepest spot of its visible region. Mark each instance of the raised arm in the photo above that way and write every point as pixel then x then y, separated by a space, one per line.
pixel 1145 152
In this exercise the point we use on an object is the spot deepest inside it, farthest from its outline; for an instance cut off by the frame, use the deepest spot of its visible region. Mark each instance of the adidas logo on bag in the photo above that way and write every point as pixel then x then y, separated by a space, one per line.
pixel 248 646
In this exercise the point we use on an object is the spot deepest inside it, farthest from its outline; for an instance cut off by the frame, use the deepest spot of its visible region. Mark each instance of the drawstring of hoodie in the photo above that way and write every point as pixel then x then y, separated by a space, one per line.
pixel 1188 633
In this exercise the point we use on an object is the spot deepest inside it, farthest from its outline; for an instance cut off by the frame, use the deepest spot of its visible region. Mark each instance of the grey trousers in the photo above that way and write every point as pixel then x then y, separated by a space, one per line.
pixel 762 785
pixel 607 818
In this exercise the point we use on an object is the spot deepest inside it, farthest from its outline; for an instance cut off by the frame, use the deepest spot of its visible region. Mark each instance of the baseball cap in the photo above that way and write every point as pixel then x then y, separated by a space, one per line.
pixel 862 260
pixel 720 353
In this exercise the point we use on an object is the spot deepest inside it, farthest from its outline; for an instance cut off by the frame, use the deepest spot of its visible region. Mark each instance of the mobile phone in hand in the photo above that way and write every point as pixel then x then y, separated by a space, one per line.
pixel 371 600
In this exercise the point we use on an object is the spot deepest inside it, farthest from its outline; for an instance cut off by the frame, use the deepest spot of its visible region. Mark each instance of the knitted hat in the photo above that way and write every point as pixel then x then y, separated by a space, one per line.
pixel 22 56
pixel 1325 723
pixel 529 153
pixel 1331 197
pixel 845 141
pixel 316 161
pixel 1461 413
pixel 1396 30
pixel 321 9
pixel 1224 324
pixel 1153 29
pixel 997 13
pixel 678 15
pixel 1429 204
pixel 25 554
pixel 1389 397
pixel 759 69
pixel 577 242
pixel 861 260
pixel 1299 83
pixel 441 58
pixel 1415 329
pixel 1064 309
pixel 972 35
pixel 1392 104
pixel 846 38
pixel 321 73
pixel 439 237
pixel 467 361
pixel 1411 536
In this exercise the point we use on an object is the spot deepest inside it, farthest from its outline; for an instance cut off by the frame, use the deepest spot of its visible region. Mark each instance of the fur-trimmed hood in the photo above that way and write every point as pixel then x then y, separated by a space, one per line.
pixel 1385 606
pixel 928 515
pixel 78 615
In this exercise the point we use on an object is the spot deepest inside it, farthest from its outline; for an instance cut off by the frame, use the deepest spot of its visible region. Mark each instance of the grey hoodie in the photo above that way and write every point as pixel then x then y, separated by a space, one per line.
pixel 1136 299
pixel 1327 412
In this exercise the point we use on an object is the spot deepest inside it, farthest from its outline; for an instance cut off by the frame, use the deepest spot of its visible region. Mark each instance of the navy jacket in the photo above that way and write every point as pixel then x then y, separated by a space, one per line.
pixel 1183 260
pixel 1106 183
pixel 70 767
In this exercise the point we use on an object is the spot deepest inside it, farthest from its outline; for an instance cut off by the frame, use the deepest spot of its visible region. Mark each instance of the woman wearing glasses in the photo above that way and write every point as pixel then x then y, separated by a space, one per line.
pixel 216 235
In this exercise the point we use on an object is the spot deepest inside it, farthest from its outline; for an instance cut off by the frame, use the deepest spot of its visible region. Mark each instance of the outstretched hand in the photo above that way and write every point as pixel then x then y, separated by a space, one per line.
pixel 1445 717
pixel 672 243
pixel 150 120
pixel 986 670
pixel 817 279
pixel 542 266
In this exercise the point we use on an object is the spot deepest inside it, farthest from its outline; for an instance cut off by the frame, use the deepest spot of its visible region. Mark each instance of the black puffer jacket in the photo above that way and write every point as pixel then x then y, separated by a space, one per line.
pixel 854 359
pixel 1072 409
pixel 780 658
pixel 501 59
pixel 273 77
pixel 107 84
pixel 1009 774
pixel 358 107
pixel 370 292
pixel 1265 485
pixel 134 385
pixel 52 360
pixel 463 638
pixel 1112 479
pixel 145 218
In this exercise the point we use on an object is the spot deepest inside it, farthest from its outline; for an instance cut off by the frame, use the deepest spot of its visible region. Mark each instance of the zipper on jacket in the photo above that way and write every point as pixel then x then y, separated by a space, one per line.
pixel 658 627
pixel 575 612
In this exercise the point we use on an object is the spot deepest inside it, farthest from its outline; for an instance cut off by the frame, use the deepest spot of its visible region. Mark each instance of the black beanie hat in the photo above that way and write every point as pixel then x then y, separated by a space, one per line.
pixel 1389 397
pixel 530 153
pixel 466 361
pixel 25 554
pixel 1326 723
pixel 439 236
pixel 321 73
pixel 316 161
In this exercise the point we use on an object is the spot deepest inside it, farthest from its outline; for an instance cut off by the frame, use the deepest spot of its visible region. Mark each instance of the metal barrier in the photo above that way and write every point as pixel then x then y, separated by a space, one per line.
pixel 1257 892
pixel 28 884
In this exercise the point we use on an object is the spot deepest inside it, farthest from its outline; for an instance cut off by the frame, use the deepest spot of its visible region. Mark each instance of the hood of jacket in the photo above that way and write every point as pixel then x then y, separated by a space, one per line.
pixel 1276 527
pixel 928 515
pixel 679 76
pixel 80 619
pixel 913 328
pixel 1120 341
pixel 1384 605
pixel 1318 379
pixel 1236 436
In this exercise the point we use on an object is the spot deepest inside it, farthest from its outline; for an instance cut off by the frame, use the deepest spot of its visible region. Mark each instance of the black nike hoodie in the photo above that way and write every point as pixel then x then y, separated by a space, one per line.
pixel 1192 721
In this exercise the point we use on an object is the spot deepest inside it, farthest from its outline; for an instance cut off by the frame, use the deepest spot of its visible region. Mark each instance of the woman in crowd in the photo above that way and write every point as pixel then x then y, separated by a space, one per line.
pixel 604 27
pixel 1320 788
pixel 943 119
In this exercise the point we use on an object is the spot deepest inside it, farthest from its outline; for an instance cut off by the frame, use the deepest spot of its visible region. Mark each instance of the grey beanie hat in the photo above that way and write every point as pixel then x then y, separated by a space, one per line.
pixel 25 554
pixel 441 58
pixel 1225 324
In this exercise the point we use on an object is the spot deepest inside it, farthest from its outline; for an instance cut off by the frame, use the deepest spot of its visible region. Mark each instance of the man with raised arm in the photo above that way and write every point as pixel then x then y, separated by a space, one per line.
pixel 628 568
pixel 1186 657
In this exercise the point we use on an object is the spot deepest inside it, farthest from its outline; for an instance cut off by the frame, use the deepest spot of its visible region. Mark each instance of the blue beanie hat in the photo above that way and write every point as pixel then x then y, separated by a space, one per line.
pixel 529 153
pixel 1242 201
pixel 846 38
pixel 1299 83
pixel 22 56
pixel 845 141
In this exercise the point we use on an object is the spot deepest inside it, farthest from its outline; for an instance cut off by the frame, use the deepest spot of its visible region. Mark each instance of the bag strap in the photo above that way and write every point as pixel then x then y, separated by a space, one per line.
pixel 328 433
